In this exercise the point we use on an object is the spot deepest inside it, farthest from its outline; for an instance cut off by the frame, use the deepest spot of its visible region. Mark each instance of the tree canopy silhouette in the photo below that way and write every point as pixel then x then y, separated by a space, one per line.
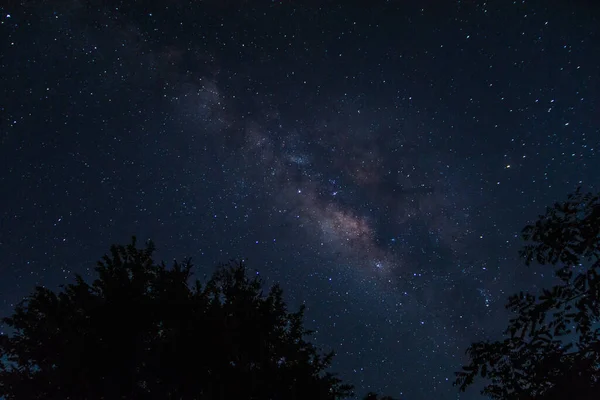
pixel 145 331
pixel 375 396
pixel 552 346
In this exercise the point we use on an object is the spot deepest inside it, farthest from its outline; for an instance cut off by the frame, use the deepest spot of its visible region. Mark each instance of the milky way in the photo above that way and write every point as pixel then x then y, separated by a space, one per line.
pixel 377 161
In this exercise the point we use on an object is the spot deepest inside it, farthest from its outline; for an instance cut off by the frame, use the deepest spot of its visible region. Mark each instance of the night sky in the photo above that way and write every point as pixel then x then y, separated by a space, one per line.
pixel 379 161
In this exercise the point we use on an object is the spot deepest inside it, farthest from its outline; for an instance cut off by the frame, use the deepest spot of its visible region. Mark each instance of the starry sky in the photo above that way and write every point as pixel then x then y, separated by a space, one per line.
pixel 378 159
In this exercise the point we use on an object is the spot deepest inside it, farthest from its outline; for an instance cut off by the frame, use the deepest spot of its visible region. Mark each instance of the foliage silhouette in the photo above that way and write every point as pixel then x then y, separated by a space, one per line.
pixel 144 331
pixel 552 346
pixel 375 396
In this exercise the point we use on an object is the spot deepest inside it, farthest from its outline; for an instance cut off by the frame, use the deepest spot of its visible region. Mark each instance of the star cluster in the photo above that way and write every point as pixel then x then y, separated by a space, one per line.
pixel 377 160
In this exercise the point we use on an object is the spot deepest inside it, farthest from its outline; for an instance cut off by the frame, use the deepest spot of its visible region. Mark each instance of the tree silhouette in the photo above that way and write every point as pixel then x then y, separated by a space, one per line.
pixel 375 396
pixel 145 331
pixel 552 346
